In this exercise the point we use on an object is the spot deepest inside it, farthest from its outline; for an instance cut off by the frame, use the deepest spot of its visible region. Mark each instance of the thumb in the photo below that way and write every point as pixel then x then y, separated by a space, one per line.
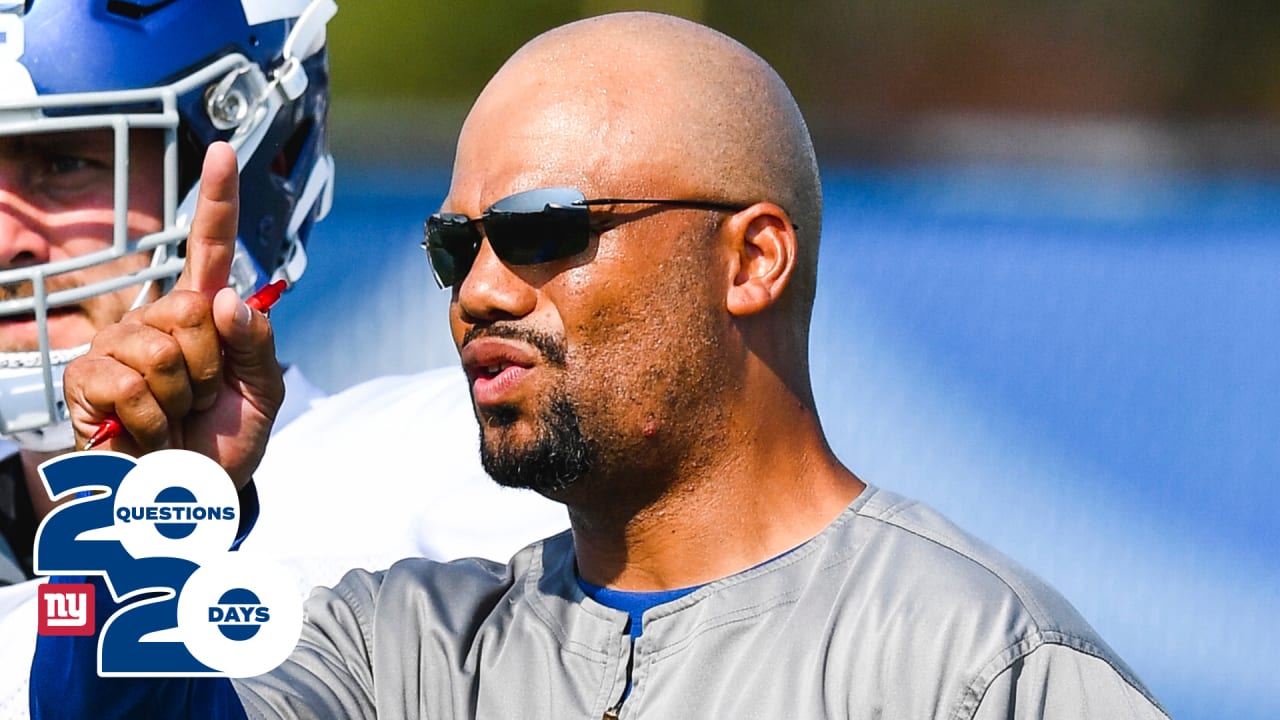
pixel 249 350
pixel 211 244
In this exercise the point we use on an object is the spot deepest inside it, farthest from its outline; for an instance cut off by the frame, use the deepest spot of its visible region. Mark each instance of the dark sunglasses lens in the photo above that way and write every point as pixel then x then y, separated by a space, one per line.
pixel 538 226
pixel 451 245
pixel 528 238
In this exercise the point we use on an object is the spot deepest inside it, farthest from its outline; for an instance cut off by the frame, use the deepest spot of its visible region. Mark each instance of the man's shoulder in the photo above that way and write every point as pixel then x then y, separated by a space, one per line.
pixel 930 547
pixel 460 587
pixel 939 581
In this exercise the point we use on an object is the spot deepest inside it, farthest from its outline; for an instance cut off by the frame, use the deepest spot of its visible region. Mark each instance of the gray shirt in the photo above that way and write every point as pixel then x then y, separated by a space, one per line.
pixel 890 612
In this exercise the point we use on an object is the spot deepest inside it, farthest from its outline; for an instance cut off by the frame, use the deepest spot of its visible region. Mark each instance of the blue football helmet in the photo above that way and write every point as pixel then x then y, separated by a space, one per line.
pixel 251 72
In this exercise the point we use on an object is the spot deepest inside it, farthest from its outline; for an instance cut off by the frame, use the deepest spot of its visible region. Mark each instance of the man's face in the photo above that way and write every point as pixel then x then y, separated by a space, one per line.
pixel 598 362
pixel 57 202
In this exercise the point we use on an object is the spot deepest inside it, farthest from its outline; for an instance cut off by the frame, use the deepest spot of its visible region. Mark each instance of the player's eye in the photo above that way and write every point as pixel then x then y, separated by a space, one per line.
pixel 66 164
pixel 60 174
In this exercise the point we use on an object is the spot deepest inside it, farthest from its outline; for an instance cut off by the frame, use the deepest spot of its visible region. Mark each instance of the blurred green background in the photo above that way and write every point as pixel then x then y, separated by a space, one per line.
pixel 1176 82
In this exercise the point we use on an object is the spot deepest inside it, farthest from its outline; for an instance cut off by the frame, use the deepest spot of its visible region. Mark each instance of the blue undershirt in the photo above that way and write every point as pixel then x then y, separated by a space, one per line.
pixel 634 603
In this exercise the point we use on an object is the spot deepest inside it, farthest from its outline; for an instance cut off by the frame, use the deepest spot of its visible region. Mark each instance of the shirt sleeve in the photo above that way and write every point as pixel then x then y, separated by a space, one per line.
pixel 330 672
pixel 1057 682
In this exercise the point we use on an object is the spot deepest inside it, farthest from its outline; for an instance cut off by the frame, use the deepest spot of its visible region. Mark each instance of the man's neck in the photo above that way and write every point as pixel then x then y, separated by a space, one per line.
pixel 754 501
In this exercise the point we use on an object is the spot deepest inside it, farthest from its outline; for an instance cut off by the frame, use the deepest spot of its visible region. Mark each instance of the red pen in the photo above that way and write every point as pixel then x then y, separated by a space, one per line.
pixel 262 300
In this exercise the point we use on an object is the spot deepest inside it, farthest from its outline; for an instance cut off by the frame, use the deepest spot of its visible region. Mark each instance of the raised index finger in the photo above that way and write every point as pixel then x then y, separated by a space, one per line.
pixel 212 242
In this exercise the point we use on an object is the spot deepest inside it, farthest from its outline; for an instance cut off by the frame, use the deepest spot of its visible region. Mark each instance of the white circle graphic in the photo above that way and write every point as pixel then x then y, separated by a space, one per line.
pixel 177 470
pixel 277 614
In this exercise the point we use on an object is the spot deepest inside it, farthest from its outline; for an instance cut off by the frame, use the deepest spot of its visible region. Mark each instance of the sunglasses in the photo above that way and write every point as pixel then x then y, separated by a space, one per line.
pixel 527 228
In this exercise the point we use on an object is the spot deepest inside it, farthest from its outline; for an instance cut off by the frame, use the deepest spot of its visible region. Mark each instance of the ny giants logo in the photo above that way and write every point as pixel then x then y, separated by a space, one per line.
pixel 65 609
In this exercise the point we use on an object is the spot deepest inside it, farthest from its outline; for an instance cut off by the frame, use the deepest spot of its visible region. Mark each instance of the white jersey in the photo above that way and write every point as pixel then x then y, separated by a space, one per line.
pixel 382 471
pixel 386 470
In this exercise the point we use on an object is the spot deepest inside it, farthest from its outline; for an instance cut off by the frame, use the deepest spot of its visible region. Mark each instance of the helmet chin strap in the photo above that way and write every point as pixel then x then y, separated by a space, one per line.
pixel 25 396
pixel 22 370
pixel 59 436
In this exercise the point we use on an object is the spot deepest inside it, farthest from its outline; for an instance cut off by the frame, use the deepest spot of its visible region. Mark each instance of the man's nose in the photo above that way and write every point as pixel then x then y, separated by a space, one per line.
pixel 491 291
pixel 22 238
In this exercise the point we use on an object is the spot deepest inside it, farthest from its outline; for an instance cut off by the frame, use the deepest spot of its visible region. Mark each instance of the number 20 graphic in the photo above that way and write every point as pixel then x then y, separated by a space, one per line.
pixel 158 531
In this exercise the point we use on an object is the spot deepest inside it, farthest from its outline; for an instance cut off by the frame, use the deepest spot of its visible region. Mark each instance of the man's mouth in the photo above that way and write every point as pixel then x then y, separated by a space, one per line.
pixel 23 291
pixel 491 371
pixel 31 316
pixel 19 332
pixel 498 387
pixel 496 368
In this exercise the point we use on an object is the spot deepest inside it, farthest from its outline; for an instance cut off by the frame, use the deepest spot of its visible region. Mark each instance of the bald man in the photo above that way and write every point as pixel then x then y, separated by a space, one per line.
pixel 630 239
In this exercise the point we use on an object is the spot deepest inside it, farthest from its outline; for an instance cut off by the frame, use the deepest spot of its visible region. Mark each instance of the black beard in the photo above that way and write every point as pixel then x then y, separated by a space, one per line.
pixel 559 458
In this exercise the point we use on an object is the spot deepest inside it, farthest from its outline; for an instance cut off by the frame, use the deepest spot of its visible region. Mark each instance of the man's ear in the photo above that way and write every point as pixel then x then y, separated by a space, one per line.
pixel 764 246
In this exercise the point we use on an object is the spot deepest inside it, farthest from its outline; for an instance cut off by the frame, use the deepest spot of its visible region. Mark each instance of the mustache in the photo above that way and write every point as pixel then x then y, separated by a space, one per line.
pixel 551 346
pixel 25 288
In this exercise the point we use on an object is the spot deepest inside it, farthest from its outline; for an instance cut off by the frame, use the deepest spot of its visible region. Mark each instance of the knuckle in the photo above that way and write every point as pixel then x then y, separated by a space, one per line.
pixel 161 353
pixel 153 433
pixel 85 377
pixel 110 337
pixel 129 387
pixel 205 376
pixel 77 368
pixel 187 307
pixel 205 368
